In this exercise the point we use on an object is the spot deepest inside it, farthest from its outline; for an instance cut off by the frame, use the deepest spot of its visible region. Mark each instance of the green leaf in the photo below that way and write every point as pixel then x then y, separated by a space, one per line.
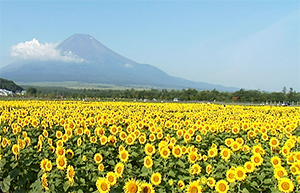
pixel 274 190
pixel 58 182
pixel 14 173
pixel 36 185
pixel 144 169
pixel 111 162
pixel 5 184
pixel 180 163
pixel 254 184
pixel 2 162
pixel 28 162
pixel 268 181
pixel 66 186
pixel 80 191
pixel 82 180
pixel 134 154
pixel 129 166
pixel 245 190
pixel 23 180
pixel 13 165
pixel 261 176
pixel 171 173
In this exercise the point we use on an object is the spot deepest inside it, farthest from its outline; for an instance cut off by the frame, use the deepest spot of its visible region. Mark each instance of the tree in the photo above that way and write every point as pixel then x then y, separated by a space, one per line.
pixel 31 91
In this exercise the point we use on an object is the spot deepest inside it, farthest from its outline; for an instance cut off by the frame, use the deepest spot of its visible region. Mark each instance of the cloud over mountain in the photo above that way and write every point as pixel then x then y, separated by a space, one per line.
pixel 34 50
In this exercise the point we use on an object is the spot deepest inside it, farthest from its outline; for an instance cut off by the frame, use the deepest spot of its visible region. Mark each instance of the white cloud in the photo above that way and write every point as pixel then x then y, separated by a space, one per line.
pixel 37 51
pixel 128 65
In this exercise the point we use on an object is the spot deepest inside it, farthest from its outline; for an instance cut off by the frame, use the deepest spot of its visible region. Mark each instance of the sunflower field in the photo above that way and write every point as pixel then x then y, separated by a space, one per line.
pixel 74 146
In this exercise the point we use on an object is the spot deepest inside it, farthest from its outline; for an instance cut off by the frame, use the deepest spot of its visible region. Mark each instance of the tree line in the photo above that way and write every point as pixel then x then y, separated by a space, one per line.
pixel 242 95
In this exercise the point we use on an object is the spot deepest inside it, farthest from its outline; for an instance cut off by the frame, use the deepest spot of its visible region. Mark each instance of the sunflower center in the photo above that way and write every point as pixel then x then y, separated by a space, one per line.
pixel 222 187
pixel 133 188
pixel 110 178
pixel 104 186
pixel 194 190
pixel 124 156
pixel 225 153
pixel 150 149
pixel 240 174
pixel 61 162
pixel 148 162
pixel 146 190
pixel 280 173
pixel 285 186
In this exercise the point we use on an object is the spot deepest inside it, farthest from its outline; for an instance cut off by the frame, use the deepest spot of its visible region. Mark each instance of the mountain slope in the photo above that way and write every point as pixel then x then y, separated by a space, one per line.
pixel 99 65
pixel 9 85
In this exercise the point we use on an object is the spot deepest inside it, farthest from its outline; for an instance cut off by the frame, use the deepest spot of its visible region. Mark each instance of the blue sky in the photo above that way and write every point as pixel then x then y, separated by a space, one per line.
pixel 245 44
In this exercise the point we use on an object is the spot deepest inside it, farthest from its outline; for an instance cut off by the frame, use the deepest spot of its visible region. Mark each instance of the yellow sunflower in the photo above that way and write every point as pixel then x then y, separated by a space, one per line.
pixel 274 142
pixel 60 151
pixel 61 162
pixel 192 157
pixel 130 139
pixel 249 167
pixel 275 161
pixel 279 172
pixel 211 182
pixel 16 149
pixel 230 175
pixel 149 149
pixel 148 162
pixel 142 139
pixel 132 186
pixel 103 140
pixel 181 184
pixel 212 152
pixel 43 164
pixel 235 146
pixel 119 169
pixel 195 169
pixel 93 139
pixel 222 186
pixel 58 134
pixel 194 187
pixel 69 153
pixel 98 158
pixel 240 173
pixel 111 178
pixel 152 137
pixel 226 154
pixel 70 173
pixel 257 159
pixel 156 178
pixel 228 142
pixel 103 185
pixel 101 167
pixel 122 135
pixel 286 185
pixel 124 156
pixel 165 152
pixel 208 169
pixel 45 181
pixel 147 188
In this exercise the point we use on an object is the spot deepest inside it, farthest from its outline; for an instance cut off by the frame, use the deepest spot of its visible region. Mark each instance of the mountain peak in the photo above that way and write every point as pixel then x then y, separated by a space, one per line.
pixel 90 49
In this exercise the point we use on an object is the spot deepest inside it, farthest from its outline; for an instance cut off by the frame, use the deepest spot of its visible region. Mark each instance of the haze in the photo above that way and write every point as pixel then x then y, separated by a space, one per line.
pixel 244 44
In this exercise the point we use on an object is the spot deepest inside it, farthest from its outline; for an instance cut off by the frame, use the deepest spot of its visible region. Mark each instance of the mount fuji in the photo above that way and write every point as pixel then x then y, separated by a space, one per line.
pixel 97 64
